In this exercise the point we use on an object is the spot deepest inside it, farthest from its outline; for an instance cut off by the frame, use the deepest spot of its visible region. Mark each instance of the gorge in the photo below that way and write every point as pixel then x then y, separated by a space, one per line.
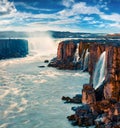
pixel 101 96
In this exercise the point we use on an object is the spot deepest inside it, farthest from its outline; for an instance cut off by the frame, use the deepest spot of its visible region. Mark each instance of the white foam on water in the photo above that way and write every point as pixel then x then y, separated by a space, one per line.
pixel 15 91
pixel 5 125
pixel 50 73
pixel 12 106
pixel 24 101
pixel 42 45
pixel 21 109
pixel 5 93
pixel 40 81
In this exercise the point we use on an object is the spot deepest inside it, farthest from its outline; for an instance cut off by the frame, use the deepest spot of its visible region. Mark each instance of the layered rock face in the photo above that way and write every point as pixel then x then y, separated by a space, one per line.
pixel 112 71
pixel 95 52
pixel 102 101
pixel 112 86
pixel 12 48
pixel 66 59
pixel 66 51
pixel 65 56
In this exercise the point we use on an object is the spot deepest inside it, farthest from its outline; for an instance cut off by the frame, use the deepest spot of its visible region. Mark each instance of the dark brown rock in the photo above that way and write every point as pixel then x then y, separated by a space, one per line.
pixel 112 87
pixel 66 51
pixel 102 105
pixel 88 94
pixel 75 99
pixel 65 56
pixel 46 61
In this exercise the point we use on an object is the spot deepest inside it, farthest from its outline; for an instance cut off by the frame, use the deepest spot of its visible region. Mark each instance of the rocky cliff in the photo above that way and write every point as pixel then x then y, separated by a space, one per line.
pixel 112 85
pixel 66 59
pixel 102 93
pixel 12 48
pixel 65 56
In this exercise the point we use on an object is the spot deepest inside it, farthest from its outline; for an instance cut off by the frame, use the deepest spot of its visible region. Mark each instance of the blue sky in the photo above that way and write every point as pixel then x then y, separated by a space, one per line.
pixel 61 15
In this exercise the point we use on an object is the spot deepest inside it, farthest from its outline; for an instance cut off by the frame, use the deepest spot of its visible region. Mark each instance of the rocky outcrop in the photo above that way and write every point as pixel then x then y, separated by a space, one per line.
pixel 12 48
pixel 112 78
pixel 66 51
pixel 76 99
pixel 88 94
pixel 102 103
pixel 66 59
pixel 112 86
pixel 65 56
pixel 104 114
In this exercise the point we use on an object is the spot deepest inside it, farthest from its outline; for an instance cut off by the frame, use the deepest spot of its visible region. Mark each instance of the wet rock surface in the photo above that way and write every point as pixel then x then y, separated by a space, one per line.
pixel 65 56
pixel 75 99
pixel 88 94
pixel 100 106
pixel 101 114
pixel 41 66
pixel 46 61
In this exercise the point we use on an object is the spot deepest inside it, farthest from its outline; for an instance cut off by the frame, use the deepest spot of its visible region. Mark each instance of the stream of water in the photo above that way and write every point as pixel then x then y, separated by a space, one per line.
pixel 30 97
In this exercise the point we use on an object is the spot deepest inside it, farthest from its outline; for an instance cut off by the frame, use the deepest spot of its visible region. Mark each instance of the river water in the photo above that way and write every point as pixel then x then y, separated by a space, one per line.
pixel 30 97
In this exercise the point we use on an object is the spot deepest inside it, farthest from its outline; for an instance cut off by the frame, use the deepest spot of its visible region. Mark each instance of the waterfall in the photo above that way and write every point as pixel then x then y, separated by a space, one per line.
pixel 42 46
pixel 82 59
pixel 76 56
pixel 85 66
pixel 99 73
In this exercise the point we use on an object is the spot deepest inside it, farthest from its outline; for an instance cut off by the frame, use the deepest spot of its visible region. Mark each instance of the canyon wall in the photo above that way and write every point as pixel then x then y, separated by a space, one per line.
pixel 65 56
pixel 110 87
pixel 101 96
pixel 12 48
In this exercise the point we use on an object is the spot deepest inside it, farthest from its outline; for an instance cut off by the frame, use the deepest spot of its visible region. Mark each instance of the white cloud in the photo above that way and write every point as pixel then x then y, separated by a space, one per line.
pixel 66 19
pixel 80 8
pixel 67 3
pixel 113 17
pixel 116 25
pixel 88 18
pixel 5 22
pixel 31 27
pixel 29 7
pixel 103 4
pixel 102 25
pixel 6 7
pixel 26 6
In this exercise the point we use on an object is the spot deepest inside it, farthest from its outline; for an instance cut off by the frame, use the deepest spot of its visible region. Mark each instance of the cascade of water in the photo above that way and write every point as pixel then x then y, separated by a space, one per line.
pixel 76 56
pixel 99 73
pixel 42 46
pixel 82 59
pixel 85 66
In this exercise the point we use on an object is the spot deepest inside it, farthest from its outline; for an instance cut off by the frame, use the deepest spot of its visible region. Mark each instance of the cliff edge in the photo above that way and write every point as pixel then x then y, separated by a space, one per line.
pixel 101 96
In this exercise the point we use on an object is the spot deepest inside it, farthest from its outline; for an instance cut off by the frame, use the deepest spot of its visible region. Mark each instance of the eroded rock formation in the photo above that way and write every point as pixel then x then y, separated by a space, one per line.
pixel 112 86
pixel 102 103
pixel 65 56
pixel 12 48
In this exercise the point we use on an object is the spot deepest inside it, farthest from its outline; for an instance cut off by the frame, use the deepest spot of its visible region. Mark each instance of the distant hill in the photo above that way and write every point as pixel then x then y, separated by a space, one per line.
pixel 114 36
pixel 56 34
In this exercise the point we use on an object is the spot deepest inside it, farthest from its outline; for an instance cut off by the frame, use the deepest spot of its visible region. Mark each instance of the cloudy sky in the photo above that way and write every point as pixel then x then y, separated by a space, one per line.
pixel 61 15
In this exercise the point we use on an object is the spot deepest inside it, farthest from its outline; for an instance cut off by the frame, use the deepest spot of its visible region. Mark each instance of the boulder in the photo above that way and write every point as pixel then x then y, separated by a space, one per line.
pixel 46 61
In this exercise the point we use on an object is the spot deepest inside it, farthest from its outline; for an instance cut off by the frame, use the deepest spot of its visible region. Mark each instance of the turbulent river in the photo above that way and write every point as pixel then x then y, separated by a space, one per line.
pixel 30 97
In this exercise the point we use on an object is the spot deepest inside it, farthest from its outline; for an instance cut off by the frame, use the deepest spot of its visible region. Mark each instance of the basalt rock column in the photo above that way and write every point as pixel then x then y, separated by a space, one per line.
pixel 66 56
pixel 112 86
pixel 88 94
